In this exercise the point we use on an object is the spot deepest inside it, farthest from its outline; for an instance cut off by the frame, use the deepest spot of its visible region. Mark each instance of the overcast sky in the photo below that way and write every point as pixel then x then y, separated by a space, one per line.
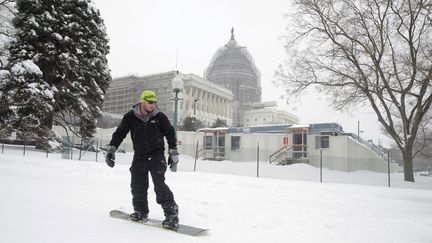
pixel 151 36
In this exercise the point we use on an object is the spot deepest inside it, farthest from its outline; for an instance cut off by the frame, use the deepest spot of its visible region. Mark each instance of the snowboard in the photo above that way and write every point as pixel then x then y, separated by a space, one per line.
pixel 183 229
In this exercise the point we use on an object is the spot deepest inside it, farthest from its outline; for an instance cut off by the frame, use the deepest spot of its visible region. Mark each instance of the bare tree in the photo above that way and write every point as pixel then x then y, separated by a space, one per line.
pixel 423 142
pixel 372 52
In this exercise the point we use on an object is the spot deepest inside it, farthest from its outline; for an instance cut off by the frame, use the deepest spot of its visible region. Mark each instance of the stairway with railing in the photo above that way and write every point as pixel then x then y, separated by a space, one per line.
pixel 378 150
pixel 287 155
pixel 210 153
pixel 279 155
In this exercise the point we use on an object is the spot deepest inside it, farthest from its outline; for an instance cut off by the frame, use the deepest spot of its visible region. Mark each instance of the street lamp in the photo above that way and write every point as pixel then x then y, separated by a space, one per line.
pixel 177 84
pixel 358 131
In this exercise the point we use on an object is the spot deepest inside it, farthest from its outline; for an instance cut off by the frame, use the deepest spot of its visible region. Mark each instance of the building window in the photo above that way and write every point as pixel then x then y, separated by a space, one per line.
pixel 322 142
pixel 208 142
pixel 235 143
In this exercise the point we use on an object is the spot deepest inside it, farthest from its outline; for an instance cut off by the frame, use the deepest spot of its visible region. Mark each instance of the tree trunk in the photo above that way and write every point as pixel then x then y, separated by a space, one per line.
pixel 42 140
pixel 408 166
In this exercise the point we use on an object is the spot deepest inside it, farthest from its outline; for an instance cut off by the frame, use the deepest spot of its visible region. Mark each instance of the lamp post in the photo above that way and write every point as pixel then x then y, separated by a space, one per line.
pixel 177 84
pixel 358 131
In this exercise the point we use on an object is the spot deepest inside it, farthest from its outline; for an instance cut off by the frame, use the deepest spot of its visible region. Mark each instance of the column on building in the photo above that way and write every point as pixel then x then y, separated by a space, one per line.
pixel 221 106
pixel 201 98
pixel 212 103
pixel 194 95
pixel 208 108
pixel 188 100
pixel 207 101
pixel 217 106
pixel 210 98
pixel 182 102
pixel 227 108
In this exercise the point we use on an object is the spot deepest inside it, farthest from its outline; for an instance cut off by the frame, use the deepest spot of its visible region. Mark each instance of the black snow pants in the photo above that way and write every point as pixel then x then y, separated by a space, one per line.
pixel 141 166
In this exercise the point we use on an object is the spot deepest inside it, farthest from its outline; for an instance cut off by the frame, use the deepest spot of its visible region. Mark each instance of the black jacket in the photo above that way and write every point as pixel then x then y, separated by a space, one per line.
pixel 147 133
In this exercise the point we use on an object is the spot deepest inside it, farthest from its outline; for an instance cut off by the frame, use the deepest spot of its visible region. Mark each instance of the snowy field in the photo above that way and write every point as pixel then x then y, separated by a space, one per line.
pixel 57 200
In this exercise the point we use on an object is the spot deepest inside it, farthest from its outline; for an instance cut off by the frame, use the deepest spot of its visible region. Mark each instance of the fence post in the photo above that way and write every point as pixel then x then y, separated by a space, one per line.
pixel 97 148
pixel 196 156
pixel 2 147
pixel 258 160
pixel 388 167
pixel 72 147
pixel 321 165
pixel 80 153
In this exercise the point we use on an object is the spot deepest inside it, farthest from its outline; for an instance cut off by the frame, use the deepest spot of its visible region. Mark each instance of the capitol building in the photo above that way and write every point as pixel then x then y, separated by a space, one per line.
pixel 230 90
pixel 233 67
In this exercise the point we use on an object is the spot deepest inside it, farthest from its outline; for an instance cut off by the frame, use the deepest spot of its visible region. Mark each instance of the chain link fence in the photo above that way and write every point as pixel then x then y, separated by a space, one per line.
pixel 383 174
pixel 346 172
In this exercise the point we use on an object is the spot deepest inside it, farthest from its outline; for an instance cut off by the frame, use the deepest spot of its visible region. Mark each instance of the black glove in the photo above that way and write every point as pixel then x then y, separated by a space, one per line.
pixel 173 159
pixel 110 155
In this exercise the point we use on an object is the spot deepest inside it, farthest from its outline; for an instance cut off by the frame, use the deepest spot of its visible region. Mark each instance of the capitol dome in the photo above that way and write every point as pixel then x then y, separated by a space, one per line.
pixel 232 66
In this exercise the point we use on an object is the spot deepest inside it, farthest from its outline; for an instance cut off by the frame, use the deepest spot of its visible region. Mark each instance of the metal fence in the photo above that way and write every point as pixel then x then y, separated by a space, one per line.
pixel 75 149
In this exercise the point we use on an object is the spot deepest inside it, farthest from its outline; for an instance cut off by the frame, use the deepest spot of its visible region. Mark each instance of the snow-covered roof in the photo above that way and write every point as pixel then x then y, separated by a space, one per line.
pixel 211 129
pixel 300 126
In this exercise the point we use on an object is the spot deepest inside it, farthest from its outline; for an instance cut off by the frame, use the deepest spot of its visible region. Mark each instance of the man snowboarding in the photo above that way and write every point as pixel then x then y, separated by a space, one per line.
pixel 148 127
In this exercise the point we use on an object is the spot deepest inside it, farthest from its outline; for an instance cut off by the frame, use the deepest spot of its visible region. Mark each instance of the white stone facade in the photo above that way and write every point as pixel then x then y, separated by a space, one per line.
pixel 268 115
pixel 205 100
pixel 212 100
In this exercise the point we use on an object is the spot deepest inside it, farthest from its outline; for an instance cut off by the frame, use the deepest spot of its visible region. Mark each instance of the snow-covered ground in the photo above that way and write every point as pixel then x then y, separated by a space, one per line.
pixel 56 200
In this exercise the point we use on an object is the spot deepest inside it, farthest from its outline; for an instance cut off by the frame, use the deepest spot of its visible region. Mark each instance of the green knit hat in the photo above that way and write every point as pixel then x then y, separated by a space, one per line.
pixel 148 95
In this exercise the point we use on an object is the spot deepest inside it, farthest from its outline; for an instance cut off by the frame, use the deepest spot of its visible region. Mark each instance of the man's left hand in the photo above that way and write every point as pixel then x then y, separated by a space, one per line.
pixel 173 159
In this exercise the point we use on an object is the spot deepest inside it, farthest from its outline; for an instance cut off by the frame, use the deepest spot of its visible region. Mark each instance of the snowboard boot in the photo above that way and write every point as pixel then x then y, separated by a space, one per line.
pixel 138 216
pixel 171 222
pixel 171 217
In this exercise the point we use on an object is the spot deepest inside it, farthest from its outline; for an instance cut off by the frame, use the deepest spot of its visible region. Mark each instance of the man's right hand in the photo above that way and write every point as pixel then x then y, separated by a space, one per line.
pixel 110 155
